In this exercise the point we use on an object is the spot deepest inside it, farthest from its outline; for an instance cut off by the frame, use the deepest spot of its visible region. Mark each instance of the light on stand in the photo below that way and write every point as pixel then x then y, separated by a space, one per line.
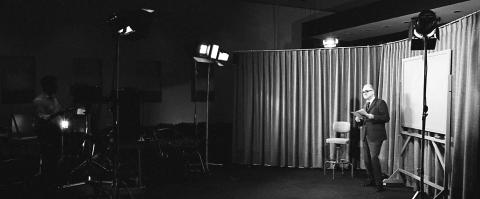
pixel 425 29
pixel 127 24
pixel 211 53
pixel 131 23
pixel 208 53
pixel 64 124
pixel 424 26
pixel 126 31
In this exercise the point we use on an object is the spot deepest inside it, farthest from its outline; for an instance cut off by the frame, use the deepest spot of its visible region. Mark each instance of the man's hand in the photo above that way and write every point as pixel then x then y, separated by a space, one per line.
pixel 370 116
pixel 357 119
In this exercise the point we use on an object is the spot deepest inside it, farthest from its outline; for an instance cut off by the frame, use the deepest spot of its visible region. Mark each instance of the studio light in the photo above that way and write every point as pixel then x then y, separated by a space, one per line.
pixel 330 42
pixel 64 124
pixel 426 23
pixel 212 53
pixel 126 31
pixel 204 50
pixel 133 24
pixel 148 10
pixel 223 56
pixel 424 26
pixel 81 111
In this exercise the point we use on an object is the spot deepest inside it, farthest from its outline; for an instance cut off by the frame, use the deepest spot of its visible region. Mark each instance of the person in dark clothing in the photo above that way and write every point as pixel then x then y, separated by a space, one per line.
pixel 373 124
pixel 47 108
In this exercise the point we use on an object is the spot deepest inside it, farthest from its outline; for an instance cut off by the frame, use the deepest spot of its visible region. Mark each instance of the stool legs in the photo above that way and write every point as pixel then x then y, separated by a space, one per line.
pixel 335 162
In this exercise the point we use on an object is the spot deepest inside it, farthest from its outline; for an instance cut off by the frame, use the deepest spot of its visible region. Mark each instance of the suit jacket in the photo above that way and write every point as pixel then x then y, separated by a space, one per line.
pixel 375 128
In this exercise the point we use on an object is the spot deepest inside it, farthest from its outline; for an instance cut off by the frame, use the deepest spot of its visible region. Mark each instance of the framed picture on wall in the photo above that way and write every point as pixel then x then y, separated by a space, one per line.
pixel 18 79
pixel 200 82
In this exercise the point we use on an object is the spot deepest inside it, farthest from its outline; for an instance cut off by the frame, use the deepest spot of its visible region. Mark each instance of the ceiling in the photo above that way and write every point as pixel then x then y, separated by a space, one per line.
pixel 320 5
pixel 368 22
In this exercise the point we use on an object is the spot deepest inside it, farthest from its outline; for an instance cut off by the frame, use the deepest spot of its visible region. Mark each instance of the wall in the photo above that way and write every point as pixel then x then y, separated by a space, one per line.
pixel 56 32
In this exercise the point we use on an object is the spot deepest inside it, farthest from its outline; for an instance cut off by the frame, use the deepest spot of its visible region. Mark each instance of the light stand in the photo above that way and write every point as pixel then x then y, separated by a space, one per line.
pixel 207 122
pixel 421 193
pixel 90 161
pixel 206 119
pixel 214 56
pixel 129 24
pixel 425 26
pixel 207 102
pixel 116 113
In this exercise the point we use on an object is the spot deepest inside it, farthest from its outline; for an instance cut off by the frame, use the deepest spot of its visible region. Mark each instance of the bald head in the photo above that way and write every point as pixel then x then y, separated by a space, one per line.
pixel 367 87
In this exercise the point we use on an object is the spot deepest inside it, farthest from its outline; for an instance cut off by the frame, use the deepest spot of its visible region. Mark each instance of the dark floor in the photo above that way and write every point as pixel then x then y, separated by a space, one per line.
pixel 167 175
pixel 234 182
pixel 268 182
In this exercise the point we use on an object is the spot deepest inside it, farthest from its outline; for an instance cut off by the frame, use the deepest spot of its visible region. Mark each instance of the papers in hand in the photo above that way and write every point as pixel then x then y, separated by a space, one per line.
pixel 360 113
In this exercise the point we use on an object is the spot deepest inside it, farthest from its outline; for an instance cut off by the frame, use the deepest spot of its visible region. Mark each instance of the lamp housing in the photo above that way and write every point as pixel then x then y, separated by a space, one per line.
pixel 223 56
pixel 212 52
pixel 426 23
pixel 132 24
pixel 425 26
pixel 330 42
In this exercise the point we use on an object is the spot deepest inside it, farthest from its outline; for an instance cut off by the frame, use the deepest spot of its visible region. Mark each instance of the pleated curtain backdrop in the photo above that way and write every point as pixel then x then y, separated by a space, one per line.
pixel 287 101
pixel 389 89
pixel 463 37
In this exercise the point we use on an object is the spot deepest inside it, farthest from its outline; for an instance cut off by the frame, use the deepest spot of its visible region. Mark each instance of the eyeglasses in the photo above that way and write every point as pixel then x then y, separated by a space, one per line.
pixel 366 91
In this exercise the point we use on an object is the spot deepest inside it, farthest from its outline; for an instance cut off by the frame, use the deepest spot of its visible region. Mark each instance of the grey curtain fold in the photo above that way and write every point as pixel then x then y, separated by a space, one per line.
pixel 287 101
pixel 389 89
pixel 464 38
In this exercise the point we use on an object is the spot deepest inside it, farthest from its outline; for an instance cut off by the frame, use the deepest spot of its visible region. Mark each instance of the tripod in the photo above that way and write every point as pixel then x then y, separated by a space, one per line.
pixel 90 162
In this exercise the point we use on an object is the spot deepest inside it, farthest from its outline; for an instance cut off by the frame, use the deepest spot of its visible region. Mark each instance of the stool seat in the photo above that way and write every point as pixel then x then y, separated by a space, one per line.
pixel 337 140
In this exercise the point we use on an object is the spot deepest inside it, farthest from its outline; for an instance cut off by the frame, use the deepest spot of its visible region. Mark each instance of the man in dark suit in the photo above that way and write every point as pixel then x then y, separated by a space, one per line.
pixel 373 124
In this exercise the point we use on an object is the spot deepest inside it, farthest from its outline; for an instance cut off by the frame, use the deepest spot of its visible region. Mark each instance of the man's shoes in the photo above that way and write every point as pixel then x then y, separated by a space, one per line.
pixel 380 188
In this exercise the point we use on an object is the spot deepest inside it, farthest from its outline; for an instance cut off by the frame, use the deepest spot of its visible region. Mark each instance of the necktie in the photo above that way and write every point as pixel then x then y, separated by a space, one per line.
pixel 368 105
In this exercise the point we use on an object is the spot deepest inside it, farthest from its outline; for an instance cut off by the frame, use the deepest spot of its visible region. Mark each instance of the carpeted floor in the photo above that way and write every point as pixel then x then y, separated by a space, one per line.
pixel 269 182
pixel 235 182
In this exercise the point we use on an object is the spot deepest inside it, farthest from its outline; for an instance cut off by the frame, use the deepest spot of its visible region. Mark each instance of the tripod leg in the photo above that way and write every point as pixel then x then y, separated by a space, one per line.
pixel 80 166
pixel 201 161
pixel 99 165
